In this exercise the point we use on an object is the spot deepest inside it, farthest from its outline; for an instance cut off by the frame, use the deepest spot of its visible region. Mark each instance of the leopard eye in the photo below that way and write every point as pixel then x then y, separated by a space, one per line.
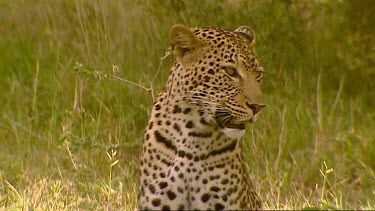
pixel 231 71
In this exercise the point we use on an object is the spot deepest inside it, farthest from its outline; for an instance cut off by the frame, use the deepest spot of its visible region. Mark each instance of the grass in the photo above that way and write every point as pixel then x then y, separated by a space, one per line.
pixel 70 136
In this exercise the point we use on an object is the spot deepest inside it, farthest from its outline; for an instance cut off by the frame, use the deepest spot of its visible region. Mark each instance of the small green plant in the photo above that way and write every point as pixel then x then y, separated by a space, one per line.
pixel 111 154
pixel 327 191
pixel 101 74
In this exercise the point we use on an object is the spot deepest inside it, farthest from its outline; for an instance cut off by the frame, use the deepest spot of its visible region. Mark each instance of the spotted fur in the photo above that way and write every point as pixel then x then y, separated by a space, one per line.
pixel 191 155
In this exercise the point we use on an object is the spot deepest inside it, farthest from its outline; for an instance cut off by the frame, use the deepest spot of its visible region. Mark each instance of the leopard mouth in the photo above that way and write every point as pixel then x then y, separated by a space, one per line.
pixel 240 126
pixel 226 120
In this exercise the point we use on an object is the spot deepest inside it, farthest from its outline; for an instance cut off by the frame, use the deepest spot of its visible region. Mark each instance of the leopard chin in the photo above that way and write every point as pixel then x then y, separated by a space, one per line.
pixel 234 133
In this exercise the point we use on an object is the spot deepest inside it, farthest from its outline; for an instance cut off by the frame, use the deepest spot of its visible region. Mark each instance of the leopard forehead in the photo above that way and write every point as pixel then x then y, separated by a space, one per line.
pixel 222 44
pixel 215 35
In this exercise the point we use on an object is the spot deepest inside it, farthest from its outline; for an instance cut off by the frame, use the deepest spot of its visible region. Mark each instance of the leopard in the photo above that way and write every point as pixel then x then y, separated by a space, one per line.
pixel 191 156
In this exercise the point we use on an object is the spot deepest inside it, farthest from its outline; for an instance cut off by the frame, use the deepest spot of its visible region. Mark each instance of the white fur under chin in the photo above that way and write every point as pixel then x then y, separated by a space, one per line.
pixel 233 132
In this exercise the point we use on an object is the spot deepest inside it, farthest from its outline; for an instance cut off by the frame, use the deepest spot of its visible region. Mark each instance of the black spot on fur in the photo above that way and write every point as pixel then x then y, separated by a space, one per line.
pixel 229 148
pixel 189 124
pixel 180 190
pixel 215 189
pixel 201 134
pixel 163 185
pixel 165 208
pixel 219 206
pixel 171 195
pixel 166 162
pixel 176 109
pixel 152 188
pixel 146 172
pixel 224 181
pixel 156 202
pixel 181 207
pixel 167 143
pixel 220 165
pixel 205 197
pixel 203 156
pixel 189 156
pixel 176 127
pixel 181 153
pixel 150 125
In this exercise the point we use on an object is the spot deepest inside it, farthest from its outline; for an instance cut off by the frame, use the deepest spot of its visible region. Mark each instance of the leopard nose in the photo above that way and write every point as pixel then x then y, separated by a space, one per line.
pixel 255 107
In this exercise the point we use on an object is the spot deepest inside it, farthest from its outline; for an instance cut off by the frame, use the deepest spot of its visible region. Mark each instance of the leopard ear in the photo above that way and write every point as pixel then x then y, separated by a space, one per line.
pixel 246 32
pixel 183 40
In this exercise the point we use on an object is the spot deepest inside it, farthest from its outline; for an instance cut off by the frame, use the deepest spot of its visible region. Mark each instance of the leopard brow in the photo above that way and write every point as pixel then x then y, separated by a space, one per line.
pixel 232 65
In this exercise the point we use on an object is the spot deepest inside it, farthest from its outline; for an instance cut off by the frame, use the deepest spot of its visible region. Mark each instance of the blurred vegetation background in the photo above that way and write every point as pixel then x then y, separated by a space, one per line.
pixel 70 137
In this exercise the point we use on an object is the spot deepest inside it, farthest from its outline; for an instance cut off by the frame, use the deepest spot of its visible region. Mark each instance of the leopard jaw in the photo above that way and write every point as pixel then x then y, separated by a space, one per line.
pixel 233 132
